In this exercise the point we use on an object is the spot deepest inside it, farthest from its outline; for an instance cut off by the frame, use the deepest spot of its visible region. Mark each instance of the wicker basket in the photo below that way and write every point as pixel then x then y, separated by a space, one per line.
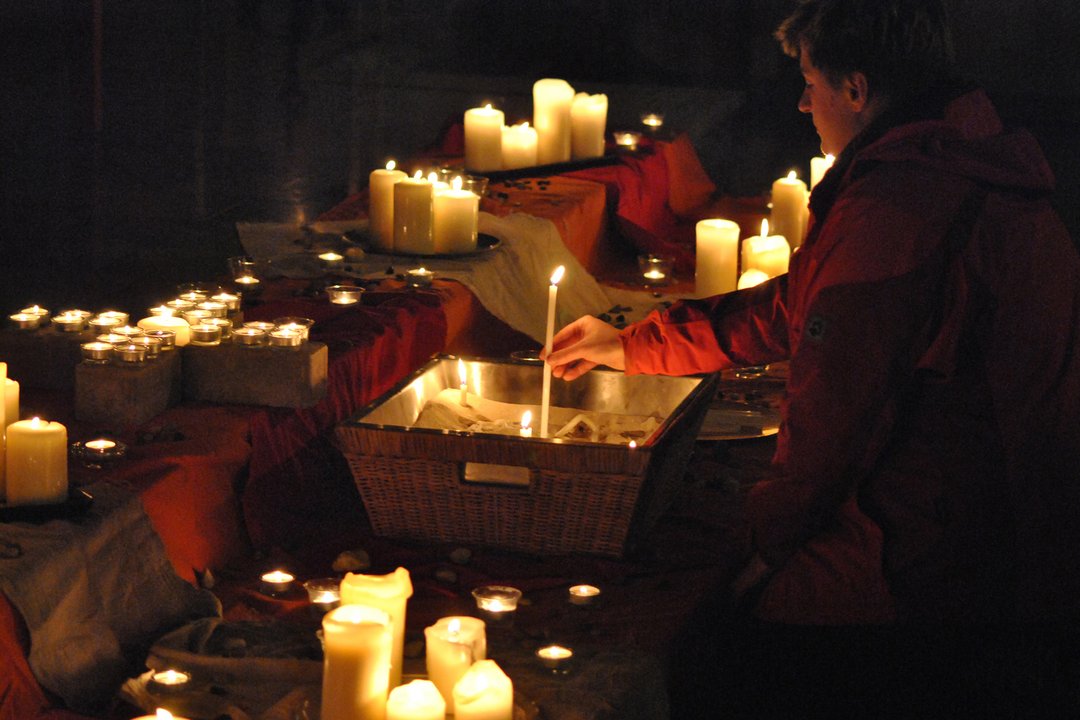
pixel 577 496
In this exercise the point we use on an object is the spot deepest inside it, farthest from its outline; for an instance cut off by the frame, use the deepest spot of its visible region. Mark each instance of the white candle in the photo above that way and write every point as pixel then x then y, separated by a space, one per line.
pixel 818 167
pixel 389 593
pixel 483 138
pixel 455 219
pixel 526 421
pixel 717 256
pixel 36 462
pixel 518 146
pixel 549 332
pixel 767 253
pixel 11 403
pixel 176 325
pixel 3 429
pixel 357 642
pixel 463 382
pixel 588 123
pixel 751 278
pixel 551 118
pixel 453 645
pixel 416 700
pixel 484 693
pixel 789 208
pixel 381 205
pixel 413 199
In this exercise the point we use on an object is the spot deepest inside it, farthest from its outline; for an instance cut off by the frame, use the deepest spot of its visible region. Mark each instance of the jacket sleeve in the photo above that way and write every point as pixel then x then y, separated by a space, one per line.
pixel 748 327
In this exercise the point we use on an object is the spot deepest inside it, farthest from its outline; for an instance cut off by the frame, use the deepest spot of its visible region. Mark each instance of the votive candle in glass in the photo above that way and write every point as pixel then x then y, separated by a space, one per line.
pixel 344 294
pixel 584 595
pixel 285 338
pixel 324 593
pixel 167 338
pixel 301 324
pixel 627 139
pixel 205 335
pixel 169 681
pixel 249 336
pixel 97 352
pixel 71 320
pixel 231 300
pixel 224 323
pixel 129 353
pixel 497 603
pixel 25 321
pixel 152 345
pixel 277 582
pixel 419 278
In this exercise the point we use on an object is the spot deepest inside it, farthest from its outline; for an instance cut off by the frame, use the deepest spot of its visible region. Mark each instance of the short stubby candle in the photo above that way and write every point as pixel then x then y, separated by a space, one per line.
pixel 768 253
pixel 416 700
pixel 554 657
pixel 37 470
pixel 484 692
pixel 483 138
pixel 518 146
pixel 454 220
pixel 588 124
pixel 453 645
pixel 277 582
pixel 584 595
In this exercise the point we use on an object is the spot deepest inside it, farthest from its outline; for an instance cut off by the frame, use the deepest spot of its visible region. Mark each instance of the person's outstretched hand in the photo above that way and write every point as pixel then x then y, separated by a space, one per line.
pixel 581 346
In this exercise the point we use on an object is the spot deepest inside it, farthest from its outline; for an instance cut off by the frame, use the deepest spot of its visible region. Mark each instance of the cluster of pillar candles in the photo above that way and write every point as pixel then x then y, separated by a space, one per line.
pixel 722 267
pixel 33 453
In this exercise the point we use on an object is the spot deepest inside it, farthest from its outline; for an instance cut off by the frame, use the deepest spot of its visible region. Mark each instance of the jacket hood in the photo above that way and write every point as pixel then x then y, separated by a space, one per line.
pixel 968 140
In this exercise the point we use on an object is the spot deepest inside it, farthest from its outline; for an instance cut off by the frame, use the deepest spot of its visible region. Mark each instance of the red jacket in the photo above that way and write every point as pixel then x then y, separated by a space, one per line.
pixel 935 374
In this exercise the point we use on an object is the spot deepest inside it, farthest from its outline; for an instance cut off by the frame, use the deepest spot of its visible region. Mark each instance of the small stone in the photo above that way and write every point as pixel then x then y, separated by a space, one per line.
pixel 414 649
pixel 446 575
pixel 354 253
pixel 461 556
pixel 206 579
pixel 352 561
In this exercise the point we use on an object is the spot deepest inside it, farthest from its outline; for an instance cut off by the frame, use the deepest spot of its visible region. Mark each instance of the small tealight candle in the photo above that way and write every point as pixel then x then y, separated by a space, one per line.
pixel 105 323
pixel 160 714
pixel 152 345
pixel 177 306
pixel 260 325
pixel 205 335
pixel 344 294
pixel 498 602
pixel 331 260
pixel 277 582
pixel 169 681
pixel 128 331
pixel 25 321
pixel 196 315
pixel 112 338
pixel 230 300
pixel 95 453
pixel 129 353
pixel 652 121
pixel 285 338
pixel 324 593
pixel 249 336
pixel 97 352
pixel 37 310
pixel 655 269
pixel 215 308
pixel 584 595
pixel 300 324
pixel 167 338
pixel 627 139
pixel 246 281
pixel 120 317
pixel 554 657
pixel 224 324
pixel 71 320
pixel 419 278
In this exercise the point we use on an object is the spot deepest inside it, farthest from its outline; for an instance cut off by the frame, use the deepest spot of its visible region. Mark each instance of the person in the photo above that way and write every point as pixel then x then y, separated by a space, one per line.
pixel 927 464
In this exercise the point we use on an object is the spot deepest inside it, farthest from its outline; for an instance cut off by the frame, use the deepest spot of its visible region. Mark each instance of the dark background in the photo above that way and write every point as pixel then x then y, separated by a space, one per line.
pixel 135 133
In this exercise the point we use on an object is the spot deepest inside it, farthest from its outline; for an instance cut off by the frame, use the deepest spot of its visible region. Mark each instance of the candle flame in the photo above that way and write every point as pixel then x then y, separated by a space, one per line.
pixel 453 627
pixel 419 175
pixel 488 107
pixel 163 714
pixel 526 419
pixel 456 182
pixel 462 375
pixel 557 275
pixel 433 177
pixel 792 175
pixel 830 159
pixel 390 165
pixel 765 228
pixel 632 444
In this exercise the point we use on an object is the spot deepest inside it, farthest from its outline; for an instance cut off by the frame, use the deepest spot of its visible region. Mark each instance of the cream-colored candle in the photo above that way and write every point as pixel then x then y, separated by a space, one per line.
pixel 588 123
pixel 453 645
pixel 483 138
pixel 36 462
pixel 818 167
pixel 484 692
pixel 455 218
pixel 751 278
pixel 768 253
pixel 176 325
pixel 789 208
pixel 717 256
pixel 551 118
pixel 549 333
pixel 357 642
pixel 389 593
pixel 416 700
pixel 381 183
pixel 3 429
pixel 11 403
pixel 518 146
pixel 413 199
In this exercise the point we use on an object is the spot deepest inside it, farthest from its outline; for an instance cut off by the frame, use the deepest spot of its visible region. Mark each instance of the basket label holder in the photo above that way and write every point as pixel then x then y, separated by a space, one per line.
pixel 491 474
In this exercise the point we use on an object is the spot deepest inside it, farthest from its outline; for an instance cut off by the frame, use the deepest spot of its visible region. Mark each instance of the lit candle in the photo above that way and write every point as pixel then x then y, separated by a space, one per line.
pixel 497 601
pixel 389 593
pixel 419 277
pixel 344 294
pixel 205 335
pixel 324 593
pixel 588 123
pixel 584 595
pixel 484 692
pixel 717 256
pixel 463 382
pixel 627 139
pixel 454 220
pixel 545 397
pixel 71 320
pixel 231 300
pixel 526 420
pixel 767 253
pixel 518 146
pixel 652 121
pixel 169 681
pixel 751 277
pixel 25 321
pixel 453 645
pixel 37 455
pixel 413 199
pixel 249 336
pixel 357 642
pixel 483 138
pixel 552 99
pixel 160 714
pixel 818 167
pixel 789 208
pixel 416 700
pixel 176 325
pixel 277 581
pixel 554 657
pixel 97 352
pixel 381 205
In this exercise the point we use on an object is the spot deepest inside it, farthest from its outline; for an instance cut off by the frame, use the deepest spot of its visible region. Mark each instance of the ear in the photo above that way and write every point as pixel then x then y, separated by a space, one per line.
pixel 856 91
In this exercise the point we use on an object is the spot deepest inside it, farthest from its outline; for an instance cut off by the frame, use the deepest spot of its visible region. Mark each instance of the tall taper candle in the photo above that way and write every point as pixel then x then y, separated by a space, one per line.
pixel 545 399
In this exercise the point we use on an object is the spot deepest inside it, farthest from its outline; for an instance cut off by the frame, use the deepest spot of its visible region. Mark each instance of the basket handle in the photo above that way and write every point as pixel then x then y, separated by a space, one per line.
pixel 510 476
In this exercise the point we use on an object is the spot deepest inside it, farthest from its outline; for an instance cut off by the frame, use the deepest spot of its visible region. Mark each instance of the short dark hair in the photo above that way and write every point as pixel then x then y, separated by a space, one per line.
pixel 903 47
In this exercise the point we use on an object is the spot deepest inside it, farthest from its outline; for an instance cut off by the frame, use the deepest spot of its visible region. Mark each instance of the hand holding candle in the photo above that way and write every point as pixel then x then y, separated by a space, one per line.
pixel 545 400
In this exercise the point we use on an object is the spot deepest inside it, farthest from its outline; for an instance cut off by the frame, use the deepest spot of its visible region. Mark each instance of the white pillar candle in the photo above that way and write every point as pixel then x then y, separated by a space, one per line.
pixel 549 332
pixel 768 253
pixel 36 462
pixel 357 641
pixel 389 593
pixel 483 138
pixel 717 256
pixel 484 692
pixel 413 198
pixel 818 167
pixel 176 325
pixel 381 183
pixel 588 122
pixel 789 208
pixel 417 700
pixel 518 146
pixel 455 219
pixel 453 645
pixel 551 118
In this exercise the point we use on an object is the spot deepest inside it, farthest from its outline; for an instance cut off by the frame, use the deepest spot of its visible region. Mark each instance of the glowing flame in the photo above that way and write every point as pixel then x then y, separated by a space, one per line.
pixel 792 175
pixel 557 275
pixel 390 165
pixel 456 182
pixel 764 228
pixel 526 419
pixel 463 377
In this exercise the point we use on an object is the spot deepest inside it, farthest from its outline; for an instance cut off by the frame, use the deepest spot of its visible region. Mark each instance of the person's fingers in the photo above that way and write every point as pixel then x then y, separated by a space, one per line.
pixel 572 370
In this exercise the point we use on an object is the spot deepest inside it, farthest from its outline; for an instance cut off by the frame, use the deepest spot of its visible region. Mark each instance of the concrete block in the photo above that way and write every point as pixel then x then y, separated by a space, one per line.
pixel 127 396
pixel 45 358
pixel 268 376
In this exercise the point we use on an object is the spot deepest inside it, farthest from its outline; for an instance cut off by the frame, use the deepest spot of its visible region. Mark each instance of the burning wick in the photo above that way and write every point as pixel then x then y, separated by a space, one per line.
pixel 463 378
pixel 526 419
